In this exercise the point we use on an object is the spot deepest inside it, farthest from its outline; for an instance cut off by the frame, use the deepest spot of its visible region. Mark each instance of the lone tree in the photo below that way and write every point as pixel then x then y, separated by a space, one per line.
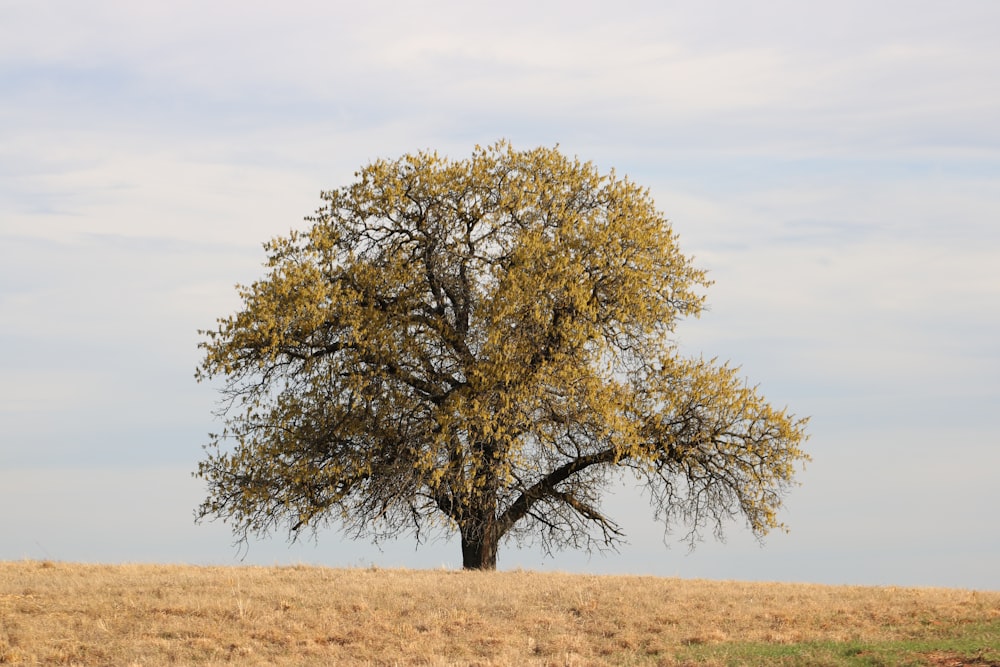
pixel 480 345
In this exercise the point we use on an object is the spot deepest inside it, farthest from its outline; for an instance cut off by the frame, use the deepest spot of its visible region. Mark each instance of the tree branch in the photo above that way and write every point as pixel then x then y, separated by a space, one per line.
pixel 546 487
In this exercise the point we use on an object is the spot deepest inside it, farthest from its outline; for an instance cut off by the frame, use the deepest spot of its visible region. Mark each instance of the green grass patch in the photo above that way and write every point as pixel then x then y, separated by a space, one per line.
pixel 975 645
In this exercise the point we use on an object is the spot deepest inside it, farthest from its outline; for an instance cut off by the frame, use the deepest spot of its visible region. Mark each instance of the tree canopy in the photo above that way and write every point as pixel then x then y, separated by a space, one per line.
pixel 480 346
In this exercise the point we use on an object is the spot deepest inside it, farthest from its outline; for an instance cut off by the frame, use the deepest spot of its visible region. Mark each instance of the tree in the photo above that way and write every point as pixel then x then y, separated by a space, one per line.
pixel 479 346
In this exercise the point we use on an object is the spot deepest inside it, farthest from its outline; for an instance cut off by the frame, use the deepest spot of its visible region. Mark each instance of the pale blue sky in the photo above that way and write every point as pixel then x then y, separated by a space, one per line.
pixel 836 166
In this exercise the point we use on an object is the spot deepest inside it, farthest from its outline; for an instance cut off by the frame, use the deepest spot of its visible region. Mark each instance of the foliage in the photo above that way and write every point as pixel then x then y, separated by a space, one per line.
pixel 478 345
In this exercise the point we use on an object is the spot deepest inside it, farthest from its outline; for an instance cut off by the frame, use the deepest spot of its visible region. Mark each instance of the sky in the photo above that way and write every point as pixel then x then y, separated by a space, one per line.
pixel 834 166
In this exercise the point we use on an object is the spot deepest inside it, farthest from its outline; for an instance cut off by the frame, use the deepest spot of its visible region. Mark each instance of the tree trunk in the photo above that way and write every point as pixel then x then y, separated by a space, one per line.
pixel 479 545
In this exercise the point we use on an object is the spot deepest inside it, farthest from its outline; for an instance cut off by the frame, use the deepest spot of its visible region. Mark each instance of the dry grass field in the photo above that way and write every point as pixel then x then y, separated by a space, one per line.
pixel 59 613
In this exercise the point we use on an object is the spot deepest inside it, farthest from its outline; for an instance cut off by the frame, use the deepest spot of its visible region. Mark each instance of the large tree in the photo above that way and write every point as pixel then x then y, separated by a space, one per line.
pixel 481 345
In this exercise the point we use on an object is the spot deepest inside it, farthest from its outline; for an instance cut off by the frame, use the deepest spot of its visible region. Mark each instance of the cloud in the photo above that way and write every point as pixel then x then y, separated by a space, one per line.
pixel 841 80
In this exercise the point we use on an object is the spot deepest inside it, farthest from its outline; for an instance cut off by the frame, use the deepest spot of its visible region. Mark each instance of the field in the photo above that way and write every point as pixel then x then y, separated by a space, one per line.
pixel 60 613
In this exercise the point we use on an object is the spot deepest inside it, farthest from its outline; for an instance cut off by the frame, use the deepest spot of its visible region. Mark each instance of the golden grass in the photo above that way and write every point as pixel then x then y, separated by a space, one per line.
pixel 58 613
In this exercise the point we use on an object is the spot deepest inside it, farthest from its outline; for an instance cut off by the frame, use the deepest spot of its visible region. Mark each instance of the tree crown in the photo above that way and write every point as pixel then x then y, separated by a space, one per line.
pixel 476 344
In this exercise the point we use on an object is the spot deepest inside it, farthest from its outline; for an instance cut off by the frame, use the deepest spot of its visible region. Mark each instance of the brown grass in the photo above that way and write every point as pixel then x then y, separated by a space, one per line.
pixel 57 613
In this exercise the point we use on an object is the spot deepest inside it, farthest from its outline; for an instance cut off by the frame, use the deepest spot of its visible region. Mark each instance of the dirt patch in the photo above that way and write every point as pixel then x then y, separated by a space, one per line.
pixel 945 659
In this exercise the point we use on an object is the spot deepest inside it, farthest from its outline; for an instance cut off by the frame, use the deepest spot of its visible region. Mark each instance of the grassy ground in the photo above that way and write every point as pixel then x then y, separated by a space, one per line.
pixel 58 613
